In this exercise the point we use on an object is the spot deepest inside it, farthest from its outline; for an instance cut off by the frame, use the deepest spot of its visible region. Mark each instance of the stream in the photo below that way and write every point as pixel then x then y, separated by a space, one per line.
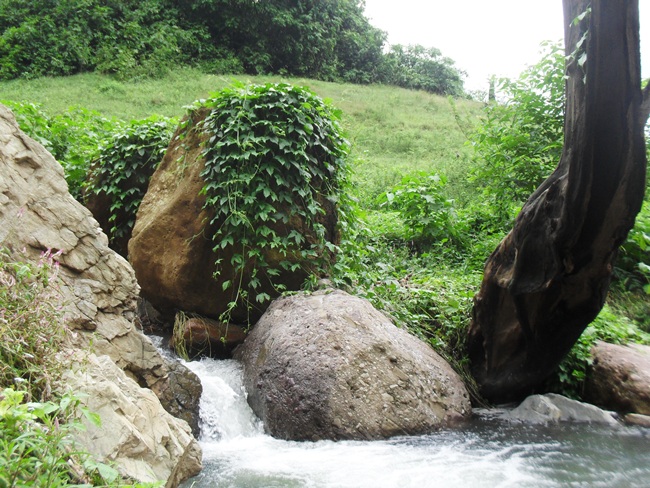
pixel 486 453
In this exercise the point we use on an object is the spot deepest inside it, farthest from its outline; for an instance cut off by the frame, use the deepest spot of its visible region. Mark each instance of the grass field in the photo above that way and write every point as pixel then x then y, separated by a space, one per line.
pixel 393 131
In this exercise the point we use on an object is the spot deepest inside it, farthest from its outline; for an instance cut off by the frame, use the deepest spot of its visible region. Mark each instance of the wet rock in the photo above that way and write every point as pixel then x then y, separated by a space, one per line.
pixel 330 366
pixel 619 378
pixel 637 419
pixel 554 408
pixel 181 395
pixel 206 337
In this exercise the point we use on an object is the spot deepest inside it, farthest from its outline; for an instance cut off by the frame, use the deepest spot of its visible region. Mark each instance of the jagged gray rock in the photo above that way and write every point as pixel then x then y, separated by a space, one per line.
pixel 98 288
pixel 330 366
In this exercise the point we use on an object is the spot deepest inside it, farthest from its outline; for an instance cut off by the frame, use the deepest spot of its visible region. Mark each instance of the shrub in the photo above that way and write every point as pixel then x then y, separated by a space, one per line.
pixel 428 214
pixel 276 155
pixel 520 140
pixel 120 174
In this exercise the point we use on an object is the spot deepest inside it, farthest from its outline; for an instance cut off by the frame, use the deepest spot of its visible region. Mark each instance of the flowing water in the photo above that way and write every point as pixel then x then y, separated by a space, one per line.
pixel 485 453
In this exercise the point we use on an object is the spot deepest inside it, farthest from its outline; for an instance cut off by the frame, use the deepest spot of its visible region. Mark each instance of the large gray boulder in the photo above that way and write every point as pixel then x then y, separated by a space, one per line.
pixel 330 366
pixel 619 377
pixel 97 287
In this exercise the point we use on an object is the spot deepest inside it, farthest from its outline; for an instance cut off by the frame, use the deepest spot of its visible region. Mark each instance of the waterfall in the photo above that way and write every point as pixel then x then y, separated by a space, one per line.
pixel 225 414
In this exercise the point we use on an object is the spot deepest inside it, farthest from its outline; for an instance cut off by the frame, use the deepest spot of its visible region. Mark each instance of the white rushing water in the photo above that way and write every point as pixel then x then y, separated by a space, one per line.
pixel 237 453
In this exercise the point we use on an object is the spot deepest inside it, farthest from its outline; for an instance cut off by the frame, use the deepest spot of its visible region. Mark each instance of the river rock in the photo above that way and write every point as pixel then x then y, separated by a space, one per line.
pixel 553 408
pixel 136 434
pixel 619 377
pixel 201 336
pixel 330 366
pixel 171 249
pixel 97 287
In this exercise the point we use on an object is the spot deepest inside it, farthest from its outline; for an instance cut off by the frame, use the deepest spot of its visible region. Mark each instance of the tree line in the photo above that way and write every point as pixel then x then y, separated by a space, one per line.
pixel 329 40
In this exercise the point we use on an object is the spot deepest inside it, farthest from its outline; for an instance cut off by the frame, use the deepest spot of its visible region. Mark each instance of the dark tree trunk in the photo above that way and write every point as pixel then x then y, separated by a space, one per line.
pixel 549 277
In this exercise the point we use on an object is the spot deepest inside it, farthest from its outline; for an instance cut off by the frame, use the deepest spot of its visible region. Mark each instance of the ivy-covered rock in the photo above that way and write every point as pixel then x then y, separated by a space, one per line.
pixel 246 203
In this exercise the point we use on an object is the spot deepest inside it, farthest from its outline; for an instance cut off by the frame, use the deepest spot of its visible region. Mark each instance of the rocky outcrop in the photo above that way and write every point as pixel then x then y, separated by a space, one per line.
pixel 619 377
pixel 97 286
pixel 330 366
pixel 553 408
pixel 171 248
pixel 136 434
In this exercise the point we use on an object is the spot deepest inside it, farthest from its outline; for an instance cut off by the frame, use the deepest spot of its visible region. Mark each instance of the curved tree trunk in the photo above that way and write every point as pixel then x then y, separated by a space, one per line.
pixel 549 277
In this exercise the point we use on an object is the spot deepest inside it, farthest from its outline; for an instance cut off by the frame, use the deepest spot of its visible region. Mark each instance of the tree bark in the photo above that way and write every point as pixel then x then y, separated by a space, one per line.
pixel 549 277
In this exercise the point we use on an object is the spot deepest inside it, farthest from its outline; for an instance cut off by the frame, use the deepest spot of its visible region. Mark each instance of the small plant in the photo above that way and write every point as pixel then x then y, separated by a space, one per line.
pixel 275 167
pixel 426 211
pixel 31 330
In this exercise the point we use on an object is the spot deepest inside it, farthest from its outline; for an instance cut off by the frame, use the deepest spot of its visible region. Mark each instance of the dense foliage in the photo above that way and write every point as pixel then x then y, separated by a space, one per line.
pixel 519 142
pixel 120 174
pixel 330 40
pixel 420 68
pixel 274 163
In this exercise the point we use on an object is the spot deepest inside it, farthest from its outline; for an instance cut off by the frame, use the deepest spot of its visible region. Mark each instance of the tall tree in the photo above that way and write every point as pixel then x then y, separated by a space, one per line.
pixel 549 277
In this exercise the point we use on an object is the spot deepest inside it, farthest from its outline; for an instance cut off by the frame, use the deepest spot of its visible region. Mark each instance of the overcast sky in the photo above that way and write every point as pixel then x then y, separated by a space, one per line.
pixel 483 37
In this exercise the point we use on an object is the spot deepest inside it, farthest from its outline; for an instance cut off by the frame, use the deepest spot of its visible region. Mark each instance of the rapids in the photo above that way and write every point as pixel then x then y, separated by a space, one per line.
pixel 486 453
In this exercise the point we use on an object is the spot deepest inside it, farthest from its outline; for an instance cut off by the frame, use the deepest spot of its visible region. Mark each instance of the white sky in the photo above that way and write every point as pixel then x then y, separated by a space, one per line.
pixel 483 37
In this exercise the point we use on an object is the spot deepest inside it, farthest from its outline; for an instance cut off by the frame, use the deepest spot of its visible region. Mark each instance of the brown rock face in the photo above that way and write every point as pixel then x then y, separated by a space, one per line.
pixel 620 377
pixel 330 366
pixel 205 337
pixel 98 288
pixel 171 248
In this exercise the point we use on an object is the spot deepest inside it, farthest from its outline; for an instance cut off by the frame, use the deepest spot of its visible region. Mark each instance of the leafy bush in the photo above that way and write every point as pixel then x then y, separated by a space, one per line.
pixel 122 170
pixel 520 140
pixel 427 213
pixel 73 137
pixel 633 263
pixel 276 156
pixel 126 38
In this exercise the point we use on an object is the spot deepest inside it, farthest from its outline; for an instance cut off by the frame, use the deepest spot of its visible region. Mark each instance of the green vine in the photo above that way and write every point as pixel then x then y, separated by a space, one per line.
pixel 275 168
pixel 122 171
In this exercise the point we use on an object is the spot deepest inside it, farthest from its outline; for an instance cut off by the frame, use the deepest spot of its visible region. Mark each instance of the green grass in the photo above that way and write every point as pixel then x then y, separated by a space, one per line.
pixel 393 131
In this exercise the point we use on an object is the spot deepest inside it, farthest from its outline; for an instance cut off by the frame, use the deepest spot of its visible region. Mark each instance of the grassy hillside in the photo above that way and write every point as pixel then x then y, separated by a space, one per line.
pixel 393 131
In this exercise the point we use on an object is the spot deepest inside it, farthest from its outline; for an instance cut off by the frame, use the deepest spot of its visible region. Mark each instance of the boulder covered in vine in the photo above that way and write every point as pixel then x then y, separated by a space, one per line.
pixel 246 204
